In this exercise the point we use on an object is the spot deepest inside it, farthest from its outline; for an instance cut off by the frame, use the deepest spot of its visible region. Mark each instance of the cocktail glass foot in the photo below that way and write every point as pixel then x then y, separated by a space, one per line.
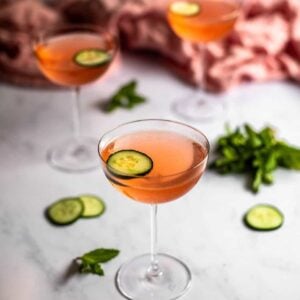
pixel 169 280
pixel 75 155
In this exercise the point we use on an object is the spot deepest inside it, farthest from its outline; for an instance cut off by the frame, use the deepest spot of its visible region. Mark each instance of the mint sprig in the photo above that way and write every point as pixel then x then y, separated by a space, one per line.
pixel 126 97
pixel 256 153
pixel 91 262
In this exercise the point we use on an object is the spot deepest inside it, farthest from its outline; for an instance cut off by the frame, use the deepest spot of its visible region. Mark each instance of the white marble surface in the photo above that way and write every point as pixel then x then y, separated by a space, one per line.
pixel 228 261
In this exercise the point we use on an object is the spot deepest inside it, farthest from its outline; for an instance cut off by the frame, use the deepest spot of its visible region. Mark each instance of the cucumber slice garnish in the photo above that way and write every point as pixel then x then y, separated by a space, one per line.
pixel 264 217
pixel 129 163
pixel 65 211
pixel 92 58
pixel 93 206
pixel 185 8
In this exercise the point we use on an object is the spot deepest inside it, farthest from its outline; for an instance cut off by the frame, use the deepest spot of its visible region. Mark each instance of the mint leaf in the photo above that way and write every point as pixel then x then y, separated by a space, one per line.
pixel 126 97
pixel 97 270
pixel 90 262
pixel 289 157
pixel 99 255
pixel 91 268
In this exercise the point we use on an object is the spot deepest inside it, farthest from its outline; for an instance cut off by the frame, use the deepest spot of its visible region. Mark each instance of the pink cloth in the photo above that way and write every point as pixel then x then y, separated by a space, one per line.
pixel 265 44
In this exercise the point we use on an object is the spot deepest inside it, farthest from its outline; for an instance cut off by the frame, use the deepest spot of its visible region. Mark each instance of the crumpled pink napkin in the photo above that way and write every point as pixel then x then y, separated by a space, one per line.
pixel 265 44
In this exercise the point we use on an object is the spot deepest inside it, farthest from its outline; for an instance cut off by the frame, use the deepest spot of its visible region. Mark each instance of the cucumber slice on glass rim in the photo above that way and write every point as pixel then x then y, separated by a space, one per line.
pixel 93 206
pixel 65 211
pixel 92 58
pixel 264 217
pixel 129 163
pixel 185 8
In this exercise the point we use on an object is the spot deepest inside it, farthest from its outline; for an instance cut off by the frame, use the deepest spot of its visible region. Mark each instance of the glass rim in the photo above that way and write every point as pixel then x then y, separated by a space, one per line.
pixel 206 145
pixel 224 18
pixel 66 26
pixel 61 29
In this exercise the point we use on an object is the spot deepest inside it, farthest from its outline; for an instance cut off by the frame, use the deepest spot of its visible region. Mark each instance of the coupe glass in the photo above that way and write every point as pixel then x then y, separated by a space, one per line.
pixel 57 50
pixel 202 22
pixel 179 154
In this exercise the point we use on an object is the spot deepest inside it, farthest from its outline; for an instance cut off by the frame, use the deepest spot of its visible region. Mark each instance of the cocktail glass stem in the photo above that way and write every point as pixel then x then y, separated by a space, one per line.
pixel 203 58
pixel 154 269
pixel 76 113
pixel 200 105
pixel 78 152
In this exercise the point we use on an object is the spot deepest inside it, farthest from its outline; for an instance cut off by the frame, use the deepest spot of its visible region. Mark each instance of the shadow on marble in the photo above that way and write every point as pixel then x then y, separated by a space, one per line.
pixel 71 271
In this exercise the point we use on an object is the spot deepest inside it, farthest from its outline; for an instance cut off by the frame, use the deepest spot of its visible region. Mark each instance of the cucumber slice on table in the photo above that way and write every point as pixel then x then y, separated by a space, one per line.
pixel 264 217
pixel 93 206
pixel 92 58
pixel 65 211
pixel 129 163
pixel 185 8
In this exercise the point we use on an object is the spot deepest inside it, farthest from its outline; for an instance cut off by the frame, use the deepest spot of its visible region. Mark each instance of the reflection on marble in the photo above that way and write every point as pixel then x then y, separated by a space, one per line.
pixel 204 229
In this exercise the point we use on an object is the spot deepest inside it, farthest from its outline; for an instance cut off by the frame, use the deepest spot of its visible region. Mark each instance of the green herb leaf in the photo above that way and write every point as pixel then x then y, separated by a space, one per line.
pixel 257 153
pixel 268 178
pixel 126 97
pixel 91 268
pixel 257 180
pixel 99 255
pixel 254 140
pixel 90 262
pixel 97 270
pixel 289 157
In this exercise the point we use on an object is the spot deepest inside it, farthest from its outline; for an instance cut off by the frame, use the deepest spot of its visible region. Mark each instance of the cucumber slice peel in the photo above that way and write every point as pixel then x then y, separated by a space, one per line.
pixel 129 163
pixel 65 211
pixel 92 57
pixel 185 8
pixel 93 206
pixel 264 217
